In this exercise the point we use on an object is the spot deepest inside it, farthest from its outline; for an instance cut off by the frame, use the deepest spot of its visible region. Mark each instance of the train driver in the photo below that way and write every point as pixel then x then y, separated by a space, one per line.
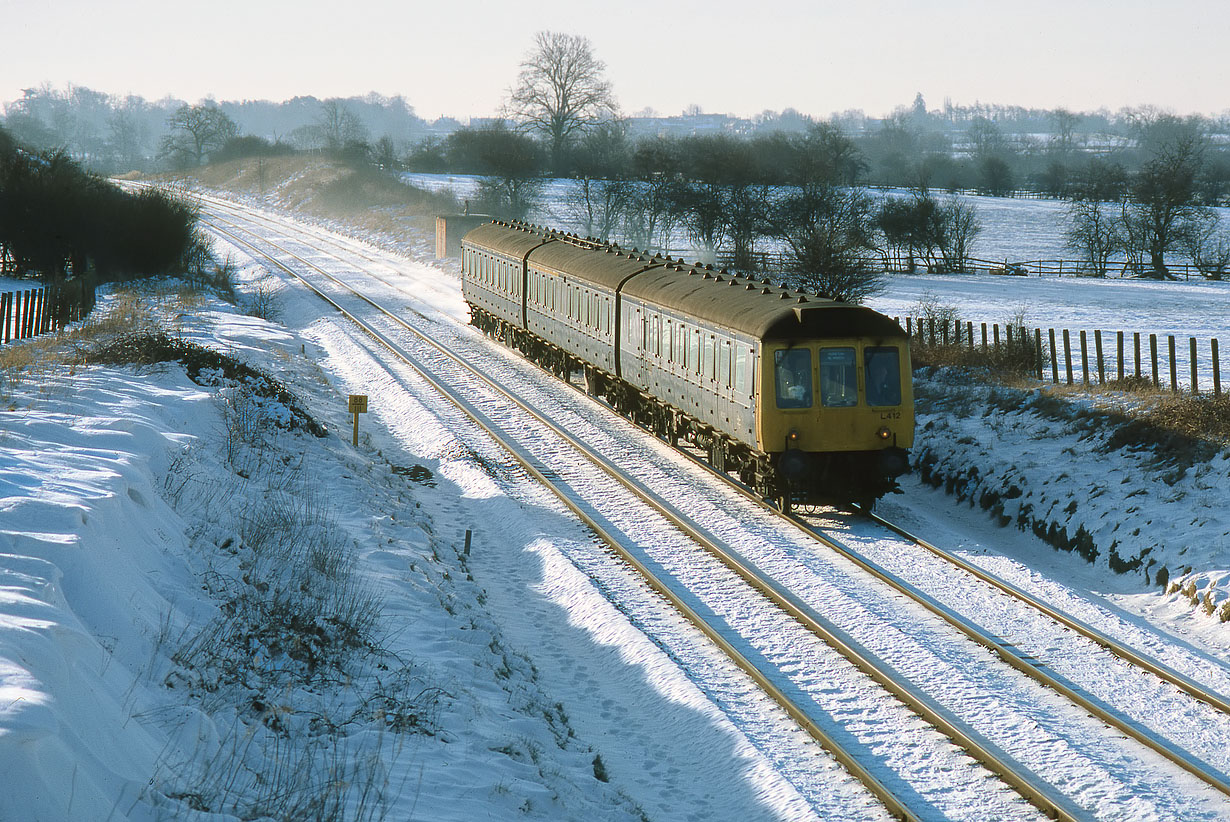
pixel 883 380
pixel 793 377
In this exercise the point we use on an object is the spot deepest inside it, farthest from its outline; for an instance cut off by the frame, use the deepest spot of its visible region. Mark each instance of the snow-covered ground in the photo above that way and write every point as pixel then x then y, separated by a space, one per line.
pixel 504 684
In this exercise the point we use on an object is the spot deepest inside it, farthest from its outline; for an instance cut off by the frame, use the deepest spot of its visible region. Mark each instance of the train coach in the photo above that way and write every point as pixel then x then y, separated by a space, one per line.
pixel 805 398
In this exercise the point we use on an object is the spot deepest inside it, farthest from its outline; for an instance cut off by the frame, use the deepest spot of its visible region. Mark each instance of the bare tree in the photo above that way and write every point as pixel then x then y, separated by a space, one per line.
pixel 339 126
pixel 960 227
pixel 195 132
pixel 1164 194
pixel 832 244
pixel 561 91
pixel 1092 232
pixel 1207 244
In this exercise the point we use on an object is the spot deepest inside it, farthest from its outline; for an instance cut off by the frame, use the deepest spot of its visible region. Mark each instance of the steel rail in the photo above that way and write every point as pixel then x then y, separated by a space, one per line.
pixel 1028 665
pixel 1140 660
pixel 893 804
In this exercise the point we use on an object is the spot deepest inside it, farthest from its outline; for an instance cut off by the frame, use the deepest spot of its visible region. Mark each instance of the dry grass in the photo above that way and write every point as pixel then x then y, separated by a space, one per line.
pixel 1002 362
pixel 1193 416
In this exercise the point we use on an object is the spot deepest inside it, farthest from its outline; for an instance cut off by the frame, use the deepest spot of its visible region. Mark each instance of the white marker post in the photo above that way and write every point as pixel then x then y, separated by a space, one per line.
pixel 358 405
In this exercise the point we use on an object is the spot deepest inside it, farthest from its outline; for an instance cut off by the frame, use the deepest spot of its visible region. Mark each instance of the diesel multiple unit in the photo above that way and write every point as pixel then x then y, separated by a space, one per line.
pixel 807 399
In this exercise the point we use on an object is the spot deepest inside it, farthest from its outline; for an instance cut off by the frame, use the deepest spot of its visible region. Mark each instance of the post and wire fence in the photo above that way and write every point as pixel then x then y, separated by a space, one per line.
pixel 1098 358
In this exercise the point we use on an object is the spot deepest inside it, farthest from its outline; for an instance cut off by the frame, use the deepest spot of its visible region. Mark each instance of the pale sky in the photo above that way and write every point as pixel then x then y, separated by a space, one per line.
pixel 459 58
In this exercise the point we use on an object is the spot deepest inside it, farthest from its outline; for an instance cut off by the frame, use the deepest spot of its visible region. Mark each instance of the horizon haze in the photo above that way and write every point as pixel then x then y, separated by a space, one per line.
pixel 818 58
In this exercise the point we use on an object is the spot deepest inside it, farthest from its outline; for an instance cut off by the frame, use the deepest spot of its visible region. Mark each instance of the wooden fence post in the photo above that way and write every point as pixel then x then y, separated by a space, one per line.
pixel 1192 347
pixel 1216 369
pixel 1119 352
pixel 931 328
pixel 5 305
pixel 969 335
pixel 1097 344
pixel 1174 373
pixel 1054 359
pixel 1041 366
pixel 1136 344
pixel 48 302
pixel 995 328
pixel 909 332
pixel 984 336
pixel 1084 359
pixel 1153 357
pixel 1067 354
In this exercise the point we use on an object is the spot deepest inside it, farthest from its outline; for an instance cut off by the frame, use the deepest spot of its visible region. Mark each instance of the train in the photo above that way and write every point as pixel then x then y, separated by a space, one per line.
pixel 806 399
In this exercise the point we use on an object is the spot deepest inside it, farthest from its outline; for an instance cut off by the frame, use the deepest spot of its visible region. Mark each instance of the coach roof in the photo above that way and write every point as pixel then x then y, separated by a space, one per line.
pixel 502 238
pixel 741 304
pixel 756 308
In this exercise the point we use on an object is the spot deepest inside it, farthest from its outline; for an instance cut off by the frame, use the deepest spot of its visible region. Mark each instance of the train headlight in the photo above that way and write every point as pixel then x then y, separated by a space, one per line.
pixel 792 439
pixel 884 433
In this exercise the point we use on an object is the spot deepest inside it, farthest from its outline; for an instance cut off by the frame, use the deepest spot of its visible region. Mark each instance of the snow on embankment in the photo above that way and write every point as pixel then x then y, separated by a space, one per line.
pixel 1081 479
pixel 209 611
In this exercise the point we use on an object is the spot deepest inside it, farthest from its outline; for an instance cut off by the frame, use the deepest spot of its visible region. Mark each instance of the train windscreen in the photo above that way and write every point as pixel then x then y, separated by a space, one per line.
pixel 838 378
pixel 792 373
pixel 883 376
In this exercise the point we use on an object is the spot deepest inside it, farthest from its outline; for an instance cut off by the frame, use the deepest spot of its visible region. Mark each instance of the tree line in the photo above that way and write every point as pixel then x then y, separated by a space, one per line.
pixel 59 221
pixel 805 189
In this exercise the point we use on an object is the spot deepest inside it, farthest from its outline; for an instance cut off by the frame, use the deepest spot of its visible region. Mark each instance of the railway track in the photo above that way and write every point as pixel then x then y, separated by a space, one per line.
pixel 807 615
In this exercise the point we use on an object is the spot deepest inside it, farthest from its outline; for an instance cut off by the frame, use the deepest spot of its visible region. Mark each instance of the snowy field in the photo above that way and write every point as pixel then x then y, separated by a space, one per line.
pixel 532 678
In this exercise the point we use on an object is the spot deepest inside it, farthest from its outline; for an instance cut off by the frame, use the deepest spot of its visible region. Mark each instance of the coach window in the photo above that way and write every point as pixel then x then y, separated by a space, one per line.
pixel 694 350
pixel 883 375
pixel 792 375
pixel 724 365
pixel 838 378
pixel 741 364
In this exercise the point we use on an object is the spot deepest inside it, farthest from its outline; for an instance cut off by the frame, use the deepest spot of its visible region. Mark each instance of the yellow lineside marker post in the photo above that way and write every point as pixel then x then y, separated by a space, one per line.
pixel 358 405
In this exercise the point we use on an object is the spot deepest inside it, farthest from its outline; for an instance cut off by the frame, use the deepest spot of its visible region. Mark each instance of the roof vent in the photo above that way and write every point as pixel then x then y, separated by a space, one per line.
pixel 750 287
pixel 706 274
pixel 764 291
pixel 785 296
pixel 802 299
